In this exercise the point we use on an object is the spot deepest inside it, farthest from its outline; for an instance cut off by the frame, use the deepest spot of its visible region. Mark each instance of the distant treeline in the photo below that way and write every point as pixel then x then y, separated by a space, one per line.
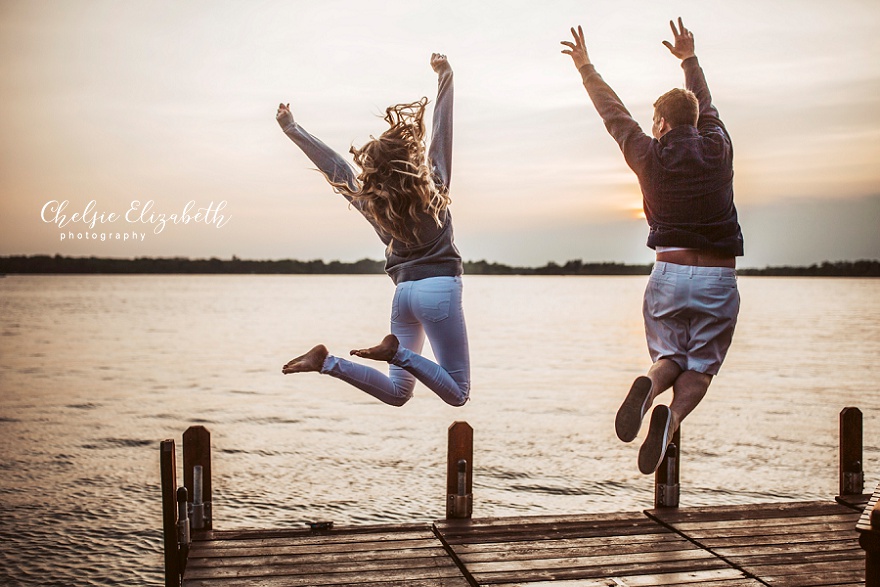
pixel 58 264
pixel 576 267
pixel 148 265
pixel 826 269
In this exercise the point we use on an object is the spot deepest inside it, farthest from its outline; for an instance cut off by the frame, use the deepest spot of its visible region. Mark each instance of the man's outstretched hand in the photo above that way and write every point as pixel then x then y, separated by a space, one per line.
pixel 578 49
pixel 684 41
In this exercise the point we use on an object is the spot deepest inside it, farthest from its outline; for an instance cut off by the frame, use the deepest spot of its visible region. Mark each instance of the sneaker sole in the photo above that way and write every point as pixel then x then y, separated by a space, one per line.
pixel 632 410
pixel 654 447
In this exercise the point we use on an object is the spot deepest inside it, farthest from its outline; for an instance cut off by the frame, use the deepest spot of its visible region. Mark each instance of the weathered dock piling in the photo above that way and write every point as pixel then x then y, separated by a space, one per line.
pixel 852 477
pixel 180 516
pixel 197 475
pixel 666 478
pixel 168 466
pixel 818 543
pixel 459 471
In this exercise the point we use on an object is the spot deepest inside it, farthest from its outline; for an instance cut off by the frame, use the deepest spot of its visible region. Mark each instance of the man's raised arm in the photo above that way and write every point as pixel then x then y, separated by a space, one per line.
pixel 618 121
pixel 694 79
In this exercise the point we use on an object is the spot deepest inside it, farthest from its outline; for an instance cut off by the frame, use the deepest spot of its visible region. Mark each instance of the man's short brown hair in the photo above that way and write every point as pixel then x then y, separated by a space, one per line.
pixel 678 107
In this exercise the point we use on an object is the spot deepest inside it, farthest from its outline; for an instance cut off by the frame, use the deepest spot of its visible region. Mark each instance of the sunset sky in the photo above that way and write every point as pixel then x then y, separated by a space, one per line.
pixel 173 102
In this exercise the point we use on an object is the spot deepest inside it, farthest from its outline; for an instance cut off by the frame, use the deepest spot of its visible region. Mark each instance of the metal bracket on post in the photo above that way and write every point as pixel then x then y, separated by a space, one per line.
pixel 853 482
pixel 197 513
pixel 463 499
pixel 667 490
pixel 459 471
pixel 183 536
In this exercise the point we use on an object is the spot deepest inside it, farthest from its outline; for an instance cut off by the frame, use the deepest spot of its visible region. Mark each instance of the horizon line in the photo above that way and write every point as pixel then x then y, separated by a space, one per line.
pixel 364 260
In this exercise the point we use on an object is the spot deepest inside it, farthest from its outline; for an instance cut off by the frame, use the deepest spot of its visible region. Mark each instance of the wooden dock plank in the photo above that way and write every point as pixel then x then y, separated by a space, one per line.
pixel 816 540
pixel 256 568
pixel 573 548
pixel 363 557
pixel 761 535
pixel 752 511
pixel 221 551
pixel 864 524
pixel 825 578
pixel 714 578
pixel 586 560
pixel 653 575
pixel 768 524
pixel 299 542
pixel 440 578
pixel 615 549
pixel 475 533
pixel 789 545
pixel 342 535
pixel 793 548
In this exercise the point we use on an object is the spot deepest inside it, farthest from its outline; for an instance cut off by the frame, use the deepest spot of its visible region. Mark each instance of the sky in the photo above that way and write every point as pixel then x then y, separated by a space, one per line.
pixel 116 115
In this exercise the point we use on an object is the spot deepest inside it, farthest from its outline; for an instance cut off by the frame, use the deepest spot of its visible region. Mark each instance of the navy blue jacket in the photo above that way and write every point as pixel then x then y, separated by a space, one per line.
pixel 686 177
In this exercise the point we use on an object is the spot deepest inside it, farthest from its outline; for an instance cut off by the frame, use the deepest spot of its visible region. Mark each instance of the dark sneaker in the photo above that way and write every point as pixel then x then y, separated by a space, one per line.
pixel 633 409
pixel 654 447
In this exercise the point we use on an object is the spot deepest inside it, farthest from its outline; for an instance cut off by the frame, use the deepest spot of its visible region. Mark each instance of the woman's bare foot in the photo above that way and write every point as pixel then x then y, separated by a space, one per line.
pixel 311 361
pixel 384 351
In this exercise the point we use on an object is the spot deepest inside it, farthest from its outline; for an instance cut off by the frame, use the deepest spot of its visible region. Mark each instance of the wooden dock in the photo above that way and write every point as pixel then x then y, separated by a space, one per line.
pixel 790 544
pixel 816 543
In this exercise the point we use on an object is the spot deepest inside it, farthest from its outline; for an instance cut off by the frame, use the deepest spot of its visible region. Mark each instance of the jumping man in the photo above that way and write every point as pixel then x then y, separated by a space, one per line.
pixel 691 301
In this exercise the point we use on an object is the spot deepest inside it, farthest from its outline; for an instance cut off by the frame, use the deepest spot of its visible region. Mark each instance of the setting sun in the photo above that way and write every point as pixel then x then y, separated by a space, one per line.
pixel 636 211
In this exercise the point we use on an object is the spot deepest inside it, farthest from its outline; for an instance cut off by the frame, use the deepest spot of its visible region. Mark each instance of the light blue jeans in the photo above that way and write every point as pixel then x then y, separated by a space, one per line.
pixel 429 307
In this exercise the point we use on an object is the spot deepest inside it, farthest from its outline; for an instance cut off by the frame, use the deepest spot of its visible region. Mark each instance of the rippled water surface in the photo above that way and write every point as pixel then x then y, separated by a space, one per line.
pixel 96 370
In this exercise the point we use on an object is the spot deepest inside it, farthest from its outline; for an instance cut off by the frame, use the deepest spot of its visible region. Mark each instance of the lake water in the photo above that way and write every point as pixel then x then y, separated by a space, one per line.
pixel 96 370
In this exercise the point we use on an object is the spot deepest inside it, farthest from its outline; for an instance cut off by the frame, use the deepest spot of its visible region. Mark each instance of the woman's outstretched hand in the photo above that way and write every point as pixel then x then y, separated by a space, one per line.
pixel 439 62
pixel 284 116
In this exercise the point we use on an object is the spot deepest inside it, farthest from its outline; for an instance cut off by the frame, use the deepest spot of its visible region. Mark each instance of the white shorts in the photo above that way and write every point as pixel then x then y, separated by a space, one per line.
pixel 690 314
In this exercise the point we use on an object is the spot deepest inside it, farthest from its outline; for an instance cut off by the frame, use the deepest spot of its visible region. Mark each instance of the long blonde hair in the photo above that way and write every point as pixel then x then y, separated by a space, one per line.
pixel 395 182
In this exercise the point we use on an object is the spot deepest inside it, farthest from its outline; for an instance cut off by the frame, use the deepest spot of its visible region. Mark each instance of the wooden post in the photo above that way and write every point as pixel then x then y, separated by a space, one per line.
pixel 168 465
pixel 666 486
pixel 197 452
pixel 460 471
pixel 869 539
pixel 183 536
pixel 852 477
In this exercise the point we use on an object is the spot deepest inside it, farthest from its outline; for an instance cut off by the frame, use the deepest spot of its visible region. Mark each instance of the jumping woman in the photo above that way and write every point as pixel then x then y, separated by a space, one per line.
pixel 402 190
